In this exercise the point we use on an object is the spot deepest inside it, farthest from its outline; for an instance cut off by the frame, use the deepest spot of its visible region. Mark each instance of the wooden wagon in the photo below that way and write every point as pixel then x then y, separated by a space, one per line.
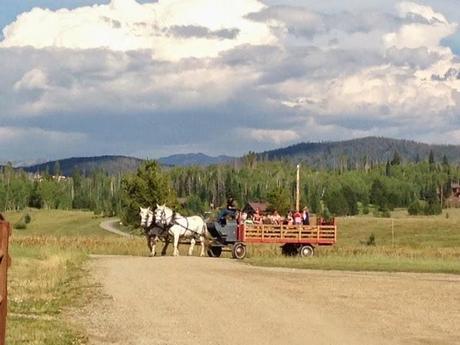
pixel 294 239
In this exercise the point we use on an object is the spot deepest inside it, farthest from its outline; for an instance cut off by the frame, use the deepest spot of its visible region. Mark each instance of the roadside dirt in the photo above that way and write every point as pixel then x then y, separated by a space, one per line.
pixel 191 300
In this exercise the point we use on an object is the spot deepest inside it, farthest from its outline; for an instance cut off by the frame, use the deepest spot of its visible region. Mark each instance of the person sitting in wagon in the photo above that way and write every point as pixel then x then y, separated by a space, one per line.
pixel 277 219
pixel 305 216
pixel 256 217
pixel 297 218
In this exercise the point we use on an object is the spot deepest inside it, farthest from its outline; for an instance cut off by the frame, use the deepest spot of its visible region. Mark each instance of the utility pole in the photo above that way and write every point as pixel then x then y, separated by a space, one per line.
pixel 297 203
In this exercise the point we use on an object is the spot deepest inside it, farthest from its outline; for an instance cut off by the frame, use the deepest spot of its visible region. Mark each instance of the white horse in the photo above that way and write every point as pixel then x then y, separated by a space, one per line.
pixel 152 231
pixel 189 227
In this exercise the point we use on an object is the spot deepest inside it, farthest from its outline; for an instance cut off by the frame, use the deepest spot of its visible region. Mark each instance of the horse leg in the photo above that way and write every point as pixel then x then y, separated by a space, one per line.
pixel 165 247
pixel 149 244
pixel 202 239
pixel 192 245
pixel 176 244
pixel 153 243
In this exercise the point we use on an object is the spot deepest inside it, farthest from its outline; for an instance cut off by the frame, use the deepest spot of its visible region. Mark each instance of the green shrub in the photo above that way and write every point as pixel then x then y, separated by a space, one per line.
pixel 27 218
pixel 366 210
pixel 371 240
pixel 415 208
pixel 432 209
pixel 385 213
pixel 20 225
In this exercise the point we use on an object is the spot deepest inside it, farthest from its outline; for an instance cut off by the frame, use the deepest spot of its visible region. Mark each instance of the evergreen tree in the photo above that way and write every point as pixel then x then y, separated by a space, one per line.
pixel 147 188
pixel 396 159
pixel 431 158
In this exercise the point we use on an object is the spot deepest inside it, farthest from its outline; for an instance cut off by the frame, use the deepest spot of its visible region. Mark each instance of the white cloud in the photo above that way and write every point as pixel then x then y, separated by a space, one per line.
pixel 272 136
pixel 35 79
pixel 17 143
pixel 125 25
pixel 227 76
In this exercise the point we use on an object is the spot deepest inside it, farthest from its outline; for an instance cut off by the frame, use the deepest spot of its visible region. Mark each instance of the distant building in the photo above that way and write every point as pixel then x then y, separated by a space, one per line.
pixel 251 207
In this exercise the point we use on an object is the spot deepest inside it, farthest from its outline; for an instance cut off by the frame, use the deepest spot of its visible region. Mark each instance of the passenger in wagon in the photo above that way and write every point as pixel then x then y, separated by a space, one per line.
pixel 256 217
pixel 305 216
pixel 297 218
pixel 276 218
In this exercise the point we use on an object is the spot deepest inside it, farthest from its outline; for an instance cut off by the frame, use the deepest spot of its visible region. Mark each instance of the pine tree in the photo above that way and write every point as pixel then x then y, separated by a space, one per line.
pixel 147 188
pixel 396 159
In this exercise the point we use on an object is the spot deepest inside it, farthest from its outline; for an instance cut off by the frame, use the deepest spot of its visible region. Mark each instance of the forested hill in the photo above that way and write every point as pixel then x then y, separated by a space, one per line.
pixel 194 159
pixel 359 152
pixel 120 164
pixel 110 164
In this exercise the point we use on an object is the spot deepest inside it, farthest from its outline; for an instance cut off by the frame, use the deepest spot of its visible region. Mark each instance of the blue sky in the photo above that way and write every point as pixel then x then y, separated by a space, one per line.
pixel 156 78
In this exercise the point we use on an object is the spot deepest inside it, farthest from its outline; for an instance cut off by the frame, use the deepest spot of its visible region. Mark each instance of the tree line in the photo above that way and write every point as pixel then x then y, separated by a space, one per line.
pixel 421 187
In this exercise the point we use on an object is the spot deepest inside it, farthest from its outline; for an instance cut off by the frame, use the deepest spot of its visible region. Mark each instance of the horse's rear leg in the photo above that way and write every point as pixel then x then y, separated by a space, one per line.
pixel 202 239
pixel 176 244
pixel 192 245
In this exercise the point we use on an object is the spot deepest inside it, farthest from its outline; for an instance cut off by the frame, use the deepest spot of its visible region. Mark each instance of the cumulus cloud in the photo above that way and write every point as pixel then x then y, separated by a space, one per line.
pixel 276 136
pixel 171 29
pixel 220 77
pixel 35 142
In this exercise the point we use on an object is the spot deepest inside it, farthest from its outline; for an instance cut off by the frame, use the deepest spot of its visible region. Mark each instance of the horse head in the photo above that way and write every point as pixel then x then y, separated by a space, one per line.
pixel 146 215
pixel 163 215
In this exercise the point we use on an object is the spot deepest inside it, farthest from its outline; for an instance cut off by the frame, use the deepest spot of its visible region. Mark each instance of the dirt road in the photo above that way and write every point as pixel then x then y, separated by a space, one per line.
pixel 191 300
pixel 110 226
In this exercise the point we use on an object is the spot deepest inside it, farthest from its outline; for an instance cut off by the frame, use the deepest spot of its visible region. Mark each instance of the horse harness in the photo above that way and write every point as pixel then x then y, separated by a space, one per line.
pixel 173 222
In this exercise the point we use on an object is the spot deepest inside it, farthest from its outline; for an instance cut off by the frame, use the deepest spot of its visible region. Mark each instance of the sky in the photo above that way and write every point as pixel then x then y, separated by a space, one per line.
pixel 154 78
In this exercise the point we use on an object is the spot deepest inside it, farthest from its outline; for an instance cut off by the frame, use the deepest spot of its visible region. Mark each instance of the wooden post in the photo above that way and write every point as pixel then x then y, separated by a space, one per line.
pixel 297 201
pixel 5 231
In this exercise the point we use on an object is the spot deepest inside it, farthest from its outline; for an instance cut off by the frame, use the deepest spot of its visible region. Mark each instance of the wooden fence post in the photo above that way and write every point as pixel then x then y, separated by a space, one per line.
pixel 5 231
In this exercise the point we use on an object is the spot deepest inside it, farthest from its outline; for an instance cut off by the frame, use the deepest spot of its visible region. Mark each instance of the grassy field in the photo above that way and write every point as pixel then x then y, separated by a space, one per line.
pixel 402 243
pixel 48 277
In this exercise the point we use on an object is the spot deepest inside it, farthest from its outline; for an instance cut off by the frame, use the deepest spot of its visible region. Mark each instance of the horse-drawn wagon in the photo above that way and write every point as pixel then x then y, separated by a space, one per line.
pixel 294 239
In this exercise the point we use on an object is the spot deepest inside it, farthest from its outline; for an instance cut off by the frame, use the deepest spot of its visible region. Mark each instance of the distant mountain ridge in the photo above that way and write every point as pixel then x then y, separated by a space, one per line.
pixel 323 155
pixel 121 164
pixel 111 164
pixel 354 152
pixel 194 159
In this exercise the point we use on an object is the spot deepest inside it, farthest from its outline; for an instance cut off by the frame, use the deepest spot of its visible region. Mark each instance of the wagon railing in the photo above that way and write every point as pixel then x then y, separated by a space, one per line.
pixel 314 234
pixel 5 232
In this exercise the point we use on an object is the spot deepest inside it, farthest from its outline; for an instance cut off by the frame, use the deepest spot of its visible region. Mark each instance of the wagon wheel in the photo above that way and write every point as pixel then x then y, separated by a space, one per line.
pixel 306 251
pixel 214 252
pixel 239 251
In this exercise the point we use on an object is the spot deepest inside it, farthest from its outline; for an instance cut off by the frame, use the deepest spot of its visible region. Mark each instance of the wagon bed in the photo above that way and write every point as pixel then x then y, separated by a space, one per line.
pixel 294 239
pixel 294 234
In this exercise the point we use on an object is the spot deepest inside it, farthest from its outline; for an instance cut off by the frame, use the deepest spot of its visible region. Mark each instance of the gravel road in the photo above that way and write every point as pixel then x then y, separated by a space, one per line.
pixel 191 300
pixel 109 225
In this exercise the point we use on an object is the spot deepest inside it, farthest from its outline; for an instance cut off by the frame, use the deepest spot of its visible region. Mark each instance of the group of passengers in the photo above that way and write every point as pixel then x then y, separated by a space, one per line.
pixel 256 217
pixel 291 218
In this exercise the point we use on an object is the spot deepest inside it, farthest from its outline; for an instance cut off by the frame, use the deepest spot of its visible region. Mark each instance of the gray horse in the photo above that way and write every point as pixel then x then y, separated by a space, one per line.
pixel 153 232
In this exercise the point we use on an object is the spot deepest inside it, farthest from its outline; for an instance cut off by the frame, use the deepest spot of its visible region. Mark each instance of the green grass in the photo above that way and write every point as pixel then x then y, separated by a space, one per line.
pixel 59 223
pixel 403 243
pixel 47 275
pixel 43 281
